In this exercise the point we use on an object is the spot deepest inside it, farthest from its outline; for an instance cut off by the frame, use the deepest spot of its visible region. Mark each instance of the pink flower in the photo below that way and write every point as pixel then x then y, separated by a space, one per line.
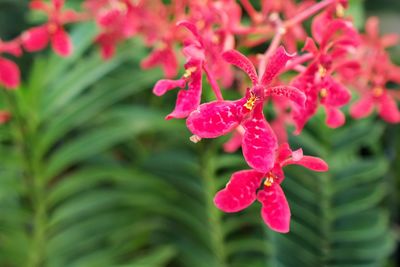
pixel 9 71
pixel 218 118
pixel 37 38
pixel 246 186
pixel 4 116
pixel 164 56
pixel 318 81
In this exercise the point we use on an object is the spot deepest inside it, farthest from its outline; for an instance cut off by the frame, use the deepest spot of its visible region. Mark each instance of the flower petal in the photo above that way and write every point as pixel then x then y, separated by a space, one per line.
pixel 239 60
pixel 164 57
pixel 216 118
pixel 4 116
pixel 259 141
pixel 35 39
pixel 388 109
pixel 61 43
pixel 334 117
pixel 312 163
pixel 310 46
pixel 372 28
pixel 275 64
pixel 337 94
pixel 290 92
pixel 188 100
pixel 162 86
pixel 240 192
pixel 275 209
pixel 9 74
pixel 362 108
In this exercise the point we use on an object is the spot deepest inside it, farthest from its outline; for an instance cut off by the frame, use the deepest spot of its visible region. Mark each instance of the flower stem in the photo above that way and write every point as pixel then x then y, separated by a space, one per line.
pixel 214 215
pixel 280 31
pixel 254 15
pixel 213 83
pixel 307 13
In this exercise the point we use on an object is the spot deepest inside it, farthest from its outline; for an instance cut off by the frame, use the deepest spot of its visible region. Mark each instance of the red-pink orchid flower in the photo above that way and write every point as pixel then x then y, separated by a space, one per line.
pixel 246 186
pixel 4 116
pixel 187 100
pixel 318 82
pixel 37 38
pixel 9 71
pixel 218 118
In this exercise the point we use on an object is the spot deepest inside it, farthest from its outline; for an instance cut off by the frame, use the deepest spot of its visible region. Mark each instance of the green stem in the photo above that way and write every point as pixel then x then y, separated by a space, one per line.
pixel 34 185
pixel 214 215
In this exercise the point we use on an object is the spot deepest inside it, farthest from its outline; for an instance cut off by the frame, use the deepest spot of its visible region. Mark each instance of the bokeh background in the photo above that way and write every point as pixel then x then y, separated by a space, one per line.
pixel 92 176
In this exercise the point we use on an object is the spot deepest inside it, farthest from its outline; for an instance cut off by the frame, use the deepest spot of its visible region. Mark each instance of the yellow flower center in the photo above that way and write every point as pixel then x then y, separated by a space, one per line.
pixel 251 101
pixel 321 71
pixel 52 27
pixel 377 91
pixel 269 179
pixel 323 93
pixel 189 72
pixel 340 11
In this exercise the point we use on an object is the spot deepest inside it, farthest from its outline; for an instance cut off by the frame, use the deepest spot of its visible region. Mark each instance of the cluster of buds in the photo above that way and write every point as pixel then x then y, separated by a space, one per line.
pixel 210 33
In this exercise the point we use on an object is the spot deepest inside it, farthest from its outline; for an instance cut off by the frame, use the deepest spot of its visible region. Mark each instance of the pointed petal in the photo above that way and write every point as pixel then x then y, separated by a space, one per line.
pixel 372 28
pixel 362 108
pixel 162 86
pixel 35 39
pixel 290 92
pixel 4 116
pixel 334 117
pixel 61 43
pixel 240 192
pixel 276 63
pixel 275 209
pixel 310 46
pixel 188 100
pixel 388 109
pixel 191 27
pixel 312 163
pixel 259 142
pixel 390 40
pixel 337 96
pixel 164 57
pixel 9 74
pixel 216 118
pixel 58 4
pixel 239 60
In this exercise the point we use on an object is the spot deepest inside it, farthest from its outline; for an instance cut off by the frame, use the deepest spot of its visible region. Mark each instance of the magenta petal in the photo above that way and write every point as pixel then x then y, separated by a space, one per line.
pixel 191 27
pixel 275 209
pixel 259 142
pixel 216 118
pixel 312 163
pixel 239 60
pixel 9 74
pixel 334 117
pixel 290 92
pixel 372 28
pixel 362 108
pixel 35 39
pixel 310 46
pixel 166 58
pixel 275 64
pixel 61 43
pixel 162 86
pixel 188 100
pixel 337 95
pixel 240 192
pixel 388 109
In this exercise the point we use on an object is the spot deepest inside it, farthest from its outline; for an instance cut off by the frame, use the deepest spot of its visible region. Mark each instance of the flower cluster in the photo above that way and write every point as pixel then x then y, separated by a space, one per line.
pixel 210 34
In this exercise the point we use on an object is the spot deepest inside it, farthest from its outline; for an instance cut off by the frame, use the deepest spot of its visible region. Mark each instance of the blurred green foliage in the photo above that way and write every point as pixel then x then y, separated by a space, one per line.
pixel 91 175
